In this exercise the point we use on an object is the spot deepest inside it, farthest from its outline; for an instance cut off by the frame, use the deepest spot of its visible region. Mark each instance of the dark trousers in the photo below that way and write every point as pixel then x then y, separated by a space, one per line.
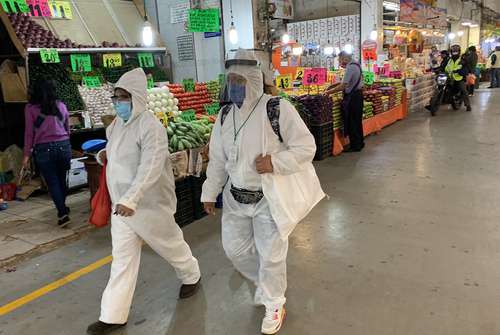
pixel 461 87
pixel 354 116
pixel 495 77
pixel 54 161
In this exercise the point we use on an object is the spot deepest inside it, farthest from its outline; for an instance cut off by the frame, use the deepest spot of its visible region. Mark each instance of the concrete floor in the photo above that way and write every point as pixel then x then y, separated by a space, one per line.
pixel 409 243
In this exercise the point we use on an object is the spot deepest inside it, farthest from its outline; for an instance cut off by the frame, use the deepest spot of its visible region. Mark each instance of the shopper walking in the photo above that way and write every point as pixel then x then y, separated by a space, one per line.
pixel 471 58
pixel 253 235
pixel 457 70
pixel 46 137
pixel 142 190
pixel 494 65
pixel 352 105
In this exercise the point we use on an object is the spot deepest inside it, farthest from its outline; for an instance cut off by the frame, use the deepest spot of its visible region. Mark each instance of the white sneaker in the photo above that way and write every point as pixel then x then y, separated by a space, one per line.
pixel 272 322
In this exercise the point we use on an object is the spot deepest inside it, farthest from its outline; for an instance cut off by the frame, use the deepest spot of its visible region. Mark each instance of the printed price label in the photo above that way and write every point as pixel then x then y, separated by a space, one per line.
pixel 368 77
pixel 112 60
pixel 61 9
pixel 151 83
pixel 299 74
pixel 81 63
pixel 49 56
pixel 39 8
pixel 146 59
pixel 284 82
pixel 189 115
pixel 188 85
pixel 314 76
pixel 91 82
pixel 204 20
pixel 212 109
pixel 15 6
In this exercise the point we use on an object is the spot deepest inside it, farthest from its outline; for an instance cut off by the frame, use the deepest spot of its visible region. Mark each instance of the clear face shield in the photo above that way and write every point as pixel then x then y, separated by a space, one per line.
pixel 235 83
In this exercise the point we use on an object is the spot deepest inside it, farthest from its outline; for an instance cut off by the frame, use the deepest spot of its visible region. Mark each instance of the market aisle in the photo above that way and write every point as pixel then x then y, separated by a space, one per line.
pixel 408 244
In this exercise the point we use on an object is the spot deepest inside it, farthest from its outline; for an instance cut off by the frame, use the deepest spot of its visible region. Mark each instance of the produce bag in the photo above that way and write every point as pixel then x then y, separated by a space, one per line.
pixel 101 203
pixel 471 79
pixel 197 161
pixel 180 164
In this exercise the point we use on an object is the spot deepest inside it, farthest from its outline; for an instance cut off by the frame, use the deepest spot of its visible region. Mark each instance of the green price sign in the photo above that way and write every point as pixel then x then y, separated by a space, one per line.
pixel 188 85
pixel 15 6
pixel 91 82
pixel 146 59
pixel 368 77
pixel 151 83
pixel 49 56
pixel 189 115
pixel 212 109
pixel 81 63
pixel 204 20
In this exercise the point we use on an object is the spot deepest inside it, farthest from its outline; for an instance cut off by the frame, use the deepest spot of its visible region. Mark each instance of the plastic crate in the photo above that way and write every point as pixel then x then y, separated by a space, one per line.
pixel 196 190
pixel 8 191
pixel 184 213
pixel 323 135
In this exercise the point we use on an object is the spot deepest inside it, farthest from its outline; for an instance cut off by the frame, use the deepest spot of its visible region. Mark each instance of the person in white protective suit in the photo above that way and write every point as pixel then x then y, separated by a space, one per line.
pixel 142 190
pixel 245 131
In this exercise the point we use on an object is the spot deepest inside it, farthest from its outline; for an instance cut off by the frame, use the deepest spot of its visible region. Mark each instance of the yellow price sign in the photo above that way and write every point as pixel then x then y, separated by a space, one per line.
pixel 112 60
pixel 299 74
pixel 284 82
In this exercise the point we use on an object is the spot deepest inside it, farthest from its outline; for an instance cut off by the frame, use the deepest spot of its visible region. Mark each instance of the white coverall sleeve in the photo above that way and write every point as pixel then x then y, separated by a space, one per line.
pixel 216 171
pixel 154 153
pixel 298 140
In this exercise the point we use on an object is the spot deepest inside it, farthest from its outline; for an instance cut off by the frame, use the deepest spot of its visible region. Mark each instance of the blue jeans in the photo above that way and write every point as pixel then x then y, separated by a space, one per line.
pixel 54 161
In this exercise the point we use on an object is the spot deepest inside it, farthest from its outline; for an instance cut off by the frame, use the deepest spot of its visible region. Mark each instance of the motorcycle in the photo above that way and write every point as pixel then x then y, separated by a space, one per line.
pixel 445 92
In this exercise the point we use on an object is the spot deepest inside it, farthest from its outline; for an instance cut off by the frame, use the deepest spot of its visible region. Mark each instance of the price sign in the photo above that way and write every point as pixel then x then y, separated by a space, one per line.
pixel 91 82
pixel 112 60
pixel 15 6
pixel 368 77
pixel 146 59
pixel 39 8
pixel 151 83
pixel 61 9
pixel 188 85
pixel 81 63
pixel 49 56
pixel 204 20
pixel 212 109
pixel 284 82
pixel 369 50
pixel 299 74
pixel 189 115
pixel 314 76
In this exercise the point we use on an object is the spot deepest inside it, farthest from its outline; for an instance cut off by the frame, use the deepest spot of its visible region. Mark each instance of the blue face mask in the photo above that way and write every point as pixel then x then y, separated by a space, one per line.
pixel 123 110
pixel 237 94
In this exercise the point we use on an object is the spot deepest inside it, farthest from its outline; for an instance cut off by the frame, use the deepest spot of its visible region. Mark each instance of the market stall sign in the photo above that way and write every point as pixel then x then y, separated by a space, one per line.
pixel 112 60
pixel 189 115
pixel 81 63
pixel 212 109
pixel 146 59
pixel 61 9
pixel 15 6
pixel 39 8
pixel 151 83
pixel 369 50
pixel 368 77
pixel 91 81
pixel 49 56
pixel 188 85
pixel 314 76
pixel 284 82
pixel 204 20
pixel 299 74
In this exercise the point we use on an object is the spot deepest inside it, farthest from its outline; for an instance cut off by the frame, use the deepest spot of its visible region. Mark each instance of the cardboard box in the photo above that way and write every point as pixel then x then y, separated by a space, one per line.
pixel 13 89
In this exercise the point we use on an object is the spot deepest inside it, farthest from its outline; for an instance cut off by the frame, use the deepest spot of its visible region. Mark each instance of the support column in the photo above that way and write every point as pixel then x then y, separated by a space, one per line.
pixel 371 19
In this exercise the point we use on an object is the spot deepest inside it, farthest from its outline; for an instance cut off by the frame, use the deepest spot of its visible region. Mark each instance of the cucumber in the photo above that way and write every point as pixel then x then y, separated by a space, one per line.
pixel 172 126
pixel 181 146
pixel 186 144
pixel 182 128
pixel 170 132
pixel 173 141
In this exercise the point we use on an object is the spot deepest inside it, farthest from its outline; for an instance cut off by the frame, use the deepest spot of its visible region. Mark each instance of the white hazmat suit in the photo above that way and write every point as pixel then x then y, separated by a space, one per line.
pixel 250 236
pixel 140 177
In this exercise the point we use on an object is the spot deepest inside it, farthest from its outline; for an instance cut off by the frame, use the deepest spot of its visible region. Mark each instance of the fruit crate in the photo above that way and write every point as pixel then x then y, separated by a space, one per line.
pixel 323 135
pixel 184 213
pixel 196 190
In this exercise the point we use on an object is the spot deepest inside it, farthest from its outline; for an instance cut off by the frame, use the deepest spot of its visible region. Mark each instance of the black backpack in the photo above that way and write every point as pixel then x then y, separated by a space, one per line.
pixel 273 113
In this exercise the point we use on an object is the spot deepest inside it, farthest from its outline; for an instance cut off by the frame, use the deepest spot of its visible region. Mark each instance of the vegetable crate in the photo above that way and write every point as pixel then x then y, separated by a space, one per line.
pixel 184 214
pixel 323 135
pixel 196 190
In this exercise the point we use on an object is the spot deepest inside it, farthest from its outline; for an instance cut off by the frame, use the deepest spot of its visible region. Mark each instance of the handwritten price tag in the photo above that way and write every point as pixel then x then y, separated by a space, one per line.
pixel 212 109
pixel 91 82
pixel 299 74
pixel 151 83
pixel 146 59
pixel 368 77
pixel 14 6
pixel 189 115
pixel 39 8
pixel 284 82
pixel 112 60
pixel 314 76
pixel 81 63
pixel 49 56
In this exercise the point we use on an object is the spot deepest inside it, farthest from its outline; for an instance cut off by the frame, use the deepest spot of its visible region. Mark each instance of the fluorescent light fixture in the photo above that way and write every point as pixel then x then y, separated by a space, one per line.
pixel 328 50
pixel 147 34
pixel 233 34
pixel 451 36
pixel 285 38
pixel 474 25
pixel 348 48
pixel 373 35
pixel 460 33
pixel 337 50
pixel 391 5
pixel 465 24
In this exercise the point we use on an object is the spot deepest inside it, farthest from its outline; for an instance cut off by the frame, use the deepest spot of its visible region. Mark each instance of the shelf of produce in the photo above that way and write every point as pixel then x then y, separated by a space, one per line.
pixel 99 50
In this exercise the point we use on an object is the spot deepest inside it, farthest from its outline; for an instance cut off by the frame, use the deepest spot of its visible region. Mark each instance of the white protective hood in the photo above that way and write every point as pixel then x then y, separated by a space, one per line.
pixel 253 75
pixel 135 82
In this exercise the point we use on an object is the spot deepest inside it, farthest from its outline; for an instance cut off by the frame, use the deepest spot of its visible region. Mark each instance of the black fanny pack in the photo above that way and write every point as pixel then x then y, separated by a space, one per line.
pixel 246 197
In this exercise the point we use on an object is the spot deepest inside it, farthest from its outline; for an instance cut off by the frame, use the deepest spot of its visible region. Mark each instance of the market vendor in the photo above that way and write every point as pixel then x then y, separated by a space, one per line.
pixel 352 104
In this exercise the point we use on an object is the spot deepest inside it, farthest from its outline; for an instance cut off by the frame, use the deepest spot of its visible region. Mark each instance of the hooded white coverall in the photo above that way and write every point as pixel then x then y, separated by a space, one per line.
pixel 140 177
pixel 250 236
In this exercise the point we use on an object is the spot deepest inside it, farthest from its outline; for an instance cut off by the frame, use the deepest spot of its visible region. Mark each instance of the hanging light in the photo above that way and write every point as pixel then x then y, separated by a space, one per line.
pixel 285 38
pixel 328 49
pixel 460 33
pixel 233 33
pixel 451 36
pixel 373 35
pixel 337 50
pixel 348 48
pixel 147 30
pixel 297 51
pixel 474 25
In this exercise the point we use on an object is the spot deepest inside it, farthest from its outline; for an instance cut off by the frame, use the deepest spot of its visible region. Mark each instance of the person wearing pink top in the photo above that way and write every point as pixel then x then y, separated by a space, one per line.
pixel 46 138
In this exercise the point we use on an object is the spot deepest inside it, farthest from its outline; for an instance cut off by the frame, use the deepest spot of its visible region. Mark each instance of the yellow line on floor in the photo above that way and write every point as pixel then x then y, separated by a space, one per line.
pixel 53 286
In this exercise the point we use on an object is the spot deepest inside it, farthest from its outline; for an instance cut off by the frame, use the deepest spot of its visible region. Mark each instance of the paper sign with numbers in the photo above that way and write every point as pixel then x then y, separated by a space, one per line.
pixel 39 8
pixel 14 6
pixel 212 109
pixel 331 77
pixel 151 83
pixel 284 82
pixel 49 56
pixel 368 77
pixel 91 82
pixel 314 76
pixel 146 59
pixel 81 63
pixel 189 115
pixel 61 9
pixel 112 60
pixel 299 74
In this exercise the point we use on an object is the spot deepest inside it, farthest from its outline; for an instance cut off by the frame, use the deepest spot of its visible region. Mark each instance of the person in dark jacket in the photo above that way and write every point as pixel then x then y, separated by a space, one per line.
pixel 471 59
pixel 457 71
pixel 445 57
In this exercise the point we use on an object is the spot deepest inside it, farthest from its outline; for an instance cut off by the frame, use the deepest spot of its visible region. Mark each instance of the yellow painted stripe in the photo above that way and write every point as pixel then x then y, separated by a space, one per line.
pixel 53 286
